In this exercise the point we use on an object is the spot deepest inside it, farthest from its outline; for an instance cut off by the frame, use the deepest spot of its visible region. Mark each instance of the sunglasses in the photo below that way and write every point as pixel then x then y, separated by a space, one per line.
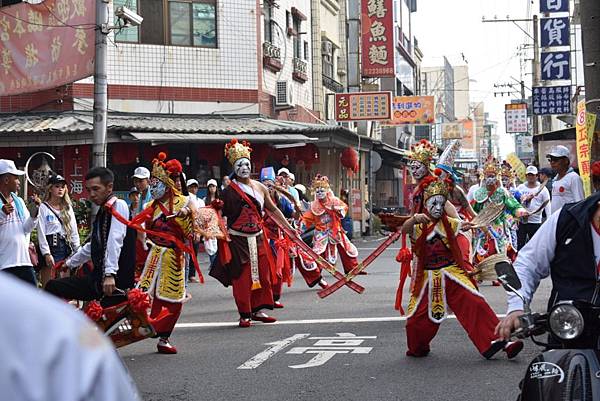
pixel 554 159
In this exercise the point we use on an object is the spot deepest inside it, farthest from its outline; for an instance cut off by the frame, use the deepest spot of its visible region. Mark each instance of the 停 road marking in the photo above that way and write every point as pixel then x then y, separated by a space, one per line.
pixel 309 321
pixel 276 346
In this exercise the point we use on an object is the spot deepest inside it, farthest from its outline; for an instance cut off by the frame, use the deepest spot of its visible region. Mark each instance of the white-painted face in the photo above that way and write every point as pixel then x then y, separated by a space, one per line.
pixel 157 188
pixel 490 180
pixel 242 167
pixel 435 206
pixel 321 193
pixel 417 169
pixel 506 182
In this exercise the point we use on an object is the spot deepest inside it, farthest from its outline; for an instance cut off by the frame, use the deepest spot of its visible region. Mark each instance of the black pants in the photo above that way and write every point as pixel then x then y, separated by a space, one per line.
pixel 79 288
pixel 25 273
pixel 525 232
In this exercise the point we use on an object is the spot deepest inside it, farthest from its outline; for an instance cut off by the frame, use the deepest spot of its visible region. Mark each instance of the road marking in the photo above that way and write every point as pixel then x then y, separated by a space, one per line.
pixel 277 346
pixel 372 249
pixel 309 321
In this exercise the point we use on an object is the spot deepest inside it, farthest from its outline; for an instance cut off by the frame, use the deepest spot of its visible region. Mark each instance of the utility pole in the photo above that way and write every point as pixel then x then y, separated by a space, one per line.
pixel 100 84
pixel 590 32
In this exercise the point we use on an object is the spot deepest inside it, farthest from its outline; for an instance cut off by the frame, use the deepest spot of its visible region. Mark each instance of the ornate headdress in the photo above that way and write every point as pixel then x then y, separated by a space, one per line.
pixel 320 181
pixel 491 166
pixel 447 158
pixel 423 151
pixel 507 171
pixel 164 170
pixel 267 173
pixel 235 150
pixel 435 186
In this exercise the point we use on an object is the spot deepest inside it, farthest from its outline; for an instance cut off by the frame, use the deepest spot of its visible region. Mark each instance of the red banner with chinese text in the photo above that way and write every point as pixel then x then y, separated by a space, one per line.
pixel 46 45
pixel 76 163
pixel 377 21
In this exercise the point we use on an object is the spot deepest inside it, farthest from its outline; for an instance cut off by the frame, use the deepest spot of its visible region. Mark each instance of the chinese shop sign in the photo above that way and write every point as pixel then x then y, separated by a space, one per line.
pixel 583 148
pixel 516 117
pixel 377 38
pixel 362 106
pixel 412 110
pixel 46 45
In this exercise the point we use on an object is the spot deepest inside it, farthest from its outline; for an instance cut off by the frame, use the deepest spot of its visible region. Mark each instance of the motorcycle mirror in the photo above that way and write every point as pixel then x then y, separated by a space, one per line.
pixel 507 276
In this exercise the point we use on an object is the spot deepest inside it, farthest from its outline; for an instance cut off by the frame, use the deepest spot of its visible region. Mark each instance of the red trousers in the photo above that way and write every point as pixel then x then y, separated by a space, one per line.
pixel 164 315
pixel 348 262
pixel 473 313
pixel 312 277
pixel 248 300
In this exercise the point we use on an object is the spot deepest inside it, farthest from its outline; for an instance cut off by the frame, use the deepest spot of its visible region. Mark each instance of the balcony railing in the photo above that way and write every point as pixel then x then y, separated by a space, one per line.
pixel 272 57
pixel 332 84
pixel 300 70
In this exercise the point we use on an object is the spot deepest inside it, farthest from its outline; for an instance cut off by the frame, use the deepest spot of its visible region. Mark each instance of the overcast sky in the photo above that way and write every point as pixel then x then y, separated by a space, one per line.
pixel 449 28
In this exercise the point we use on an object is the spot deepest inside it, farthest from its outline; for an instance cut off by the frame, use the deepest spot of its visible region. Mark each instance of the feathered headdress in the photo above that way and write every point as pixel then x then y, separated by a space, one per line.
pixel 235 150
pixel 164 170
pixel 423 151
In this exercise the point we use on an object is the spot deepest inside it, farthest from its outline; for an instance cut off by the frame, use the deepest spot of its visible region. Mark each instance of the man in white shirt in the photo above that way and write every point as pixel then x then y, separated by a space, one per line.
pixel 15 224
pixel 50 351
pixel 536 199
pixel 111 252
pixel 141 180
pixel 567 186
pixel 567 247
pixel 289 182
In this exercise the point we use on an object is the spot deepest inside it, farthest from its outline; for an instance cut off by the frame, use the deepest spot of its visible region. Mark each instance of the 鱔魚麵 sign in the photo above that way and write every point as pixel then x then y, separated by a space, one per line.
pixel 363 106
pixel 377 21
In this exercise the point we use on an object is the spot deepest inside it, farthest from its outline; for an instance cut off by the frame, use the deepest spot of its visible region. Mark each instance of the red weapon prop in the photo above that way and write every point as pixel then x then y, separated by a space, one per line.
pixel 323 264
pixel 347 279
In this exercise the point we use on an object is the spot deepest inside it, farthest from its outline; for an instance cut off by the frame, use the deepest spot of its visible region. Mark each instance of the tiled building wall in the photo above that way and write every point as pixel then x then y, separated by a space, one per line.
pixel 302 92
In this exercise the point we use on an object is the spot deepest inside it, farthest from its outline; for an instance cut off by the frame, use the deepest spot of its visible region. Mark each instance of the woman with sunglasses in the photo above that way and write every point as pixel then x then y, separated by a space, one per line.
pixel 567 186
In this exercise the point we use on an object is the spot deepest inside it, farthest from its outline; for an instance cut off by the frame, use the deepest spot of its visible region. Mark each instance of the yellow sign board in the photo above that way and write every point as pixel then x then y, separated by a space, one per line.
pixel 583 148
pixel 517 165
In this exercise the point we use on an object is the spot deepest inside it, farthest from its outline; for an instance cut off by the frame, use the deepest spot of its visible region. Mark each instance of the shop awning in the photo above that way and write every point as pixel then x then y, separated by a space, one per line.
pixel 174 137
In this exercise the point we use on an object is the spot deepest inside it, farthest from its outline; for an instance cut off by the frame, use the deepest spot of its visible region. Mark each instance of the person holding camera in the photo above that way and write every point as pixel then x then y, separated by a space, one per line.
pixel 57 228
pixel 16 224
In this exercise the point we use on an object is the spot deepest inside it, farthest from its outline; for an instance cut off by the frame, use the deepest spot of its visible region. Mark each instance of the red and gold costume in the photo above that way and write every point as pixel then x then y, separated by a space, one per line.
pixel 329 239
pixel 164 270
pixel 423 152
pixel 439 281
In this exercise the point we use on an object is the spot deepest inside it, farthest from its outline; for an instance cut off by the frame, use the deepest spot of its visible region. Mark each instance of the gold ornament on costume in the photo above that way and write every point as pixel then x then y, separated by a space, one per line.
pixel 491 167
pixel 320 181
pixel 161 170
pixel 423 151
pixel 235 150
pixel 507 171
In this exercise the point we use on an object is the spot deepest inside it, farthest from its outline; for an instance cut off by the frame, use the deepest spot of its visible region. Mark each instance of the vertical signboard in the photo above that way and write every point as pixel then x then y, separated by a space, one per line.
pixel 551 100
pixel 554 6
pixel 516 117
pixel 377 21
pixel 556 65
pixel 583 148
pixel 555 32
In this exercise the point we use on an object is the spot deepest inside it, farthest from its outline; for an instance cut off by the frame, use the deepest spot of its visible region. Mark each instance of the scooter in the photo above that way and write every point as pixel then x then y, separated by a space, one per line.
pixel 569 368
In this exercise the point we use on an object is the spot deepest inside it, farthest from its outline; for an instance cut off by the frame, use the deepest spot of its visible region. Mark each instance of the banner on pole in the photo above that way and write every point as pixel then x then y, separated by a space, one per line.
pixel 46 45
pixel 517 165
pixel 583 148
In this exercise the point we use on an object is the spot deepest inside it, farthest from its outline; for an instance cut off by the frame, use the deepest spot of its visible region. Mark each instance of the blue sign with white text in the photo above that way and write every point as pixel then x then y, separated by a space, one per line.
pixel 551 100
pixel 555 32
pixel 556 65
pixel 554 6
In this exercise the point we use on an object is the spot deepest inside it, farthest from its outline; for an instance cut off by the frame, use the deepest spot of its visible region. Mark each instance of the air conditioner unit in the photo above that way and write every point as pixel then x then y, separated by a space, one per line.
pixel 283 95
pixel 326 47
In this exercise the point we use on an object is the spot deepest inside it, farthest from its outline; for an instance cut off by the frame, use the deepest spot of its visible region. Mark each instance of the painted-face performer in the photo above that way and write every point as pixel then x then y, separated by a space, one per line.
pixel 325 215
pixel 163 276
pixel 456 195
pixel 495 238
pixel 439 280
pixel 250 267
pixel 420 158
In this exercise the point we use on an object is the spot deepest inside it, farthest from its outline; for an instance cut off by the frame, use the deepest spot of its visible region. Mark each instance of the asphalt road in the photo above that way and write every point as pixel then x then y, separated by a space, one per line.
pixel 219 361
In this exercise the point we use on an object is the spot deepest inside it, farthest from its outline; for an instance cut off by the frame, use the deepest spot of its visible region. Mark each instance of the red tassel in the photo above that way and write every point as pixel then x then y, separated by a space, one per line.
pixel 404 257
pixel 94 311
pixel 138 300
pixel 224 252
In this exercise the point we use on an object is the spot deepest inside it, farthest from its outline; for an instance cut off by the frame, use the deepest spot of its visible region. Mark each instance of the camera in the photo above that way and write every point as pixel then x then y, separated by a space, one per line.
pixel 129 17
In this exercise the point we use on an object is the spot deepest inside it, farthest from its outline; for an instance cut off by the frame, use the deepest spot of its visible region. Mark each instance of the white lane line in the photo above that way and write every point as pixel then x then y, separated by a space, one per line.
pixel 276 346
pixel 310 321
pixel 372 249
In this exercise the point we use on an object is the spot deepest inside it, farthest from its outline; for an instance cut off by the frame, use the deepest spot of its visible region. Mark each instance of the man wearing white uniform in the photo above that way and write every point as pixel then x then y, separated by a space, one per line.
pixel 567 186
pixel 15 224
pixel 536 199
pixel 50 351
pixel 566 247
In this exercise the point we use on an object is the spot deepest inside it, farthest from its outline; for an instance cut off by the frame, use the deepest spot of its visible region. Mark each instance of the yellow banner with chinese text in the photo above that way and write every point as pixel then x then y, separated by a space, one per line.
pixel 583 148
pixel 517 165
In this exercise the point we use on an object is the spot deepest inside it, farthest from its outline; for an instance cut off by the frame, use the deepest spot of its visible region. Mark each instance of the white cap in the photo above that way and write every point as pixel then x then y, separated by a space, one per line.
pixel 559 151
pixel 211 182
pixel 141 173
pixel 300 187
pixel 292 176
pixel 283 170
pixel 191 182
pixel 531 170
pixel 8 167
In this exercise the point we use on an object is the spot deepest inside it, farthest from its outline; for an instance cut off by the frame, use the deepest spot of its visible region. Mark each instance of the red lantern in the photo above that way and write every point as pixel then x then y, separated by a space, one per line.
pixel 349 159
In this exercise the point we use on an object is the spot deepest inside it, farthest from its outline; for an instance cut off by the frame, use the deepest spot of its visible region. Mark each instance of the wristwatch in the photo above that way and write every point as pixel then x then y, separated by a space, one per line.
pixel 109 275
